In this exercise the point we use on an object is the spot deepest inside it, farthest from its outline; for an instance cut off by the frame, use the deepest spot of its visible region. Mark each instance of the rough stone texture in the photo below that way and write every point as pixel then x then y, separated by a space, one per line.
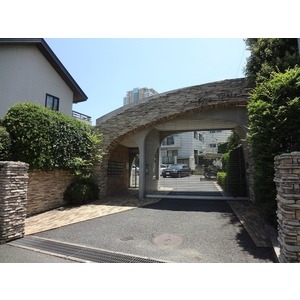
pixel 46 190
pixel 170 105
pixel 160 108
pixel 13 199
pixel 287 179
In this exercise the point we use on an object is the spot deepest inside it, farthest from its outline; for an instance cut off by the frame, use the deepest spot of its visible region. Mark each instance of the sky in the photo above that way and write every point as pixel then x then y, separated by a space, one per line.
pixel 106 68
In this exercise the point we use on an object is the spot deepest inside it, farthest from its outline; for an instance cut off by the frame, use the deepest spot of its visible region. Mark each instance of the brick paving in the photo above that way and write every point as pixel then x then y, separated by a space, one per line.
pixel 69 215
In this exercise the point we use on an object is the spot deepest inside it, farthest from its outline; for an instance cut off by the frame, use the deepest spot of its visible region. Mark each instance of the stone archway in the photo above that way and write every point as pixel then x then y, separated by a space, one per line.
pixel 143 124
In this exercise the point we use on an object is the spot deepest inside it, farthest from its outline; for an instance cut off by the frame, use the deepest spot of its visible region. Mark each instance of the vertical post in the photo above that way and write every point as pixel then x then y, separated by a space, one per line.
pixel 13 199
pixel 287 179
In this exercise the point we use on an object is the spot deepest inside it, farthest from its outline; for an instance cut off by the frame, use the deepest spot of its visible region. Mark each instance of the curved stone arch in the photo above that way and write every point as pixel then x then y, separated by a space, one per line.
pixel 130 125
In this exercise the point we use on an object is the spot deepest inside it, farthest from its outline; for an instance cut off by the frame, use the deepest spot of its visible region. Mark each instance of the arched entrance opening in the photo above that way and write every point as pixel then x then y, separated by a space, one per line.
pixel 193 140
pixel 140 128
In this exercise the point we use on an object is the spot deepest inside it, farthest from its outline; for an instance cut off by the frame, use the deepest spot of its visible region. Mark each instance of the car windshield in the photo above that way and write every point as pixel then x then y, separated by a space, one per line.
pixel 175 167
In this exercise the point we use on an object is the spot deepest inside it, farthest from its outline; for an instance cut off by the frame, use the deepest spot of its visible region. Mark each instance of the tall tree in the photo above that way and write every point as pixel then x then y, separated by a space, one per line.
pixel 269 55
pixel 274 108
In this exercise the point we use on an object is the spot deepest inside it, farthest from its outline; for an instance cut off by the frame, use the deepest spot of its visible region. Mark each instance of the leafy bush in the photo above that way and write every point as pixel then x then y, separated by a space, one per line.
pixel 221 178
pixel 274 128
pixel 48 139
pixel 4 144
pixel 81 191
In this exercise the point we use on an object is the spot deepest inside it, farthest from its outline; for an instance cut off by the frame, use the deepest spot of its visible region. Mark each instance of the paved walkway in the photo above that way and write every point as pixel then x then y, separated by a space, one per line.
pixel 69 215
pixel 244 210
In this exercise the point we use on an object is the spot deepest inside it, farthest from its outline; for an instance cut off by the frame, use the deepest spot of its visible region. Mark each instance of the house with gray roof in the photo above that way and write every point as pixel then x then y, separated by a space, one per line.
pixel 31 72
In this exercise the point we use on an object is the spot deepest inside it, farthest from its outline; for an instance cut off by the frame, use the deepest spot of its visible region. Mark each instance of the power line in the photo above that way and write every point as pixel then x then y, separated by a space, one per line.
pixel 240 61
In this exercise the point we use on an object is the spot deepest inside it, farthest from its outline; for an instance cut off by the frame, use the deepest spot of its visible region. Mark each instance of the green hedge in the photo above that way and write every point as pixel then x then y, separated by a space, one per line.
pixel 4 144
pixel 222 178
pixel 274 128
pixel 48 139
pixel 82 191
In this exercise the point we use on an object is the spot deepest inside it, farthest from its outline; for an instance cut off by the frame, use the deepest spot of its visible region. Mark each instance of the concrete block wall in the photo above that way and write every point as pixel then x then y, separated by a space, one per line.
pixel 13 199
pixel 287 179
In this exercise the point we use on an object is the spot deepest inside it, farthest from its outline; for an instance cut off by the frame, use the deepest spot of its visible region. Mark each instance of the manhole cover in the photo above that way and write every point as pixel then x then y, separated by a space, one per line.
pixel 167 240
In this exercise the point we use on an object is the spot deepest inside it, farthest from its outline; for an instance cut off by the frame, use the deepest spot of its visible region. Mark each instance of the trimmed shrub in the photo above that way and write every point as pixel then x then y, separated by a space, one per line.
pixel 274 128
pixel 48 139
pixel 82 191
pixel 222 178
pixel 4 144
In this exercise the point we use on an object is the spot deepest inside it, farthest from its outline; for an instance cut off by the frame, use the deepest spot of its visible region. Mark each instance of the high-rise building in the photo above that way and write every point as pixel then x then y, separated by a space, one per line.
pixel 138 94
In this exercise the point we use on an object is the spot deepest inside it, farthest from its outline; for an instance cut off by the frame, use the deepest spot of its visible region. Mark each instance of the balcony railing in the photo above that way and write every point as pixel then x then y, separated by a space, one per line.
pixel 82 117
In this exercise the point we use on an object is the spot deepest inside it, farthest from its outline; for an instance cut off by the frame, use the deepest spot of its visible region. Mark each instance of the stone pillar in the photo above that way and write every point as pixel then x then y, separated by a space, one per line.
pixel 287 179
pixel 13 199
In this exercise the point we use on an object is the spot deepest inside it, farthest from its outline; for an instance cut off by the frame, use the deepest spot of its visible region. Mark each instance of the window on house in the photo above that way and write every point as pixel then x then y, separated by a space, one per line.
pixel 212 145
pixel 52 102
pixel 168 141
pixel 171 153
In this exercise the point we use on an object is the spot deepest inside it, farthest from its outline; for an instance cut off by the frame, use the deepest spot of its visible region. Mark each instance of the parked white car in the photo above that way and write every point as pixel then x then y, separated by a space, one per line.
pixel 162 167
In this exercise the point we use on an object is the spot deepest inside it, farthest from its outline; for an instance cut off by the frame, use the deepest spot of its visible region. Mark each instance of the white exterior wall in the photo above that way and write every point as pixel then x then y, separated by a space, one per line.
pixel 214 138
pixel 186 143
pixel 27 76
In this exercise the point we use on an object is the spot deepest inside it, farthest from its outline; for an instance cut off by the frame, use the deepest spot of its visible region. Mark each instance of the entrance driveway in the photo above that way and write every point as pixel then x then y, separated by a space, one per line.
pixel 185 231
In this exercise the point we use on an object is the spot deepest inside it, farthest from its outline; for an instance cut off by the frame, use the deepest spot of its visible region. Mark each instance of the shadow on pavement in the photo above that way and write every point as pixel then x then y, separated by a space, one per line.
pixel 217 206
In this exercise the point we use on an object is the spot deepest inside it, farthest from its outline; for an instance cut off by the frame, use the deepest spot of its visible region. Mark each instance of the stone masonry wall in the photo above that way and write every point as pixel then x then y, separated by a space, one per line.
pixel 46 190
pixel 168 106
pixel 287 179
pixel 13 199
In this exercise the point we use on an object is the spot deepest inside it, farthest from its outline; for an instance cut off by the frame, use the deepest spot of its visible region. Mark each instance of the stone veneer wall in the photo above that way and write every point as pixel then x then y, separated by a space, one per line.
pixel 164 107
pixel 13 199
pixel 287 179
pixel 46 190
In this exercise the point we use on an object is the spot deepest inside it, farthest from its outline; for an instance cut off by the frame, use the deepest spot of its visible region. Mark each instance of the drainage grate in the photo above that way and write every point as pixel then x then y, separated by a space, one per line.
pixel 77 252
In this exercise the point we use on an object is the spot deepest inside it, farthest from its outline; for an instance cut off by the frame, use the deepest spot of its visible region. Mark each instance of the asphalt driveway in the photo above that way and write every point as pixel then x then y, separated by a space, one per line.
pixel 182 231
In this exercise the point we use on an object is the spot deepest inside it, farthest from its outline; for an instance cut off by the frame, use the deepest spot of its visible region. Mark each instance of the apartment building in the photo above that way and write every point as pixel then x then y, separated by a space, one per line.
pixel 186 147
pixel 138 94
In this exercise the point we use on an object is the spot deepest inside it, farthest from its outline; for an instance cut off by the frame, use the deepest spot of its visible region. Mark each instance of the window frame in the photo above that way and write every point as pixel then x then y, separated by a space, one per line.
pixel 55 102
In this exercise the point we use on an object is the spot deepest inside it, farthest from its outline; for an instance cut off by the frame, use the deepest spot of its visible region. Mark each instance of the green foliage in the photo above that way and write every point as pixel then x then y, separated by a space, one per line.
pixel 225 158
pixel 82 191
pixel 232 178
pixel 222 147
pixel 233 141
pixel 274 128
pixel 222 179
pixel 270 55
pixel 48 139
pixel 4 144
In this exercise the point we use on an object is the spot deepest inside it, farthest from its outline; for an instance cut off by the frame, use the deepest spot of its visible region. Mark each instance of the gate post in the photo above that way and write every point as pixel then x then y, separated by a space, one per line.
pixel 13 199
pixel 287 179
